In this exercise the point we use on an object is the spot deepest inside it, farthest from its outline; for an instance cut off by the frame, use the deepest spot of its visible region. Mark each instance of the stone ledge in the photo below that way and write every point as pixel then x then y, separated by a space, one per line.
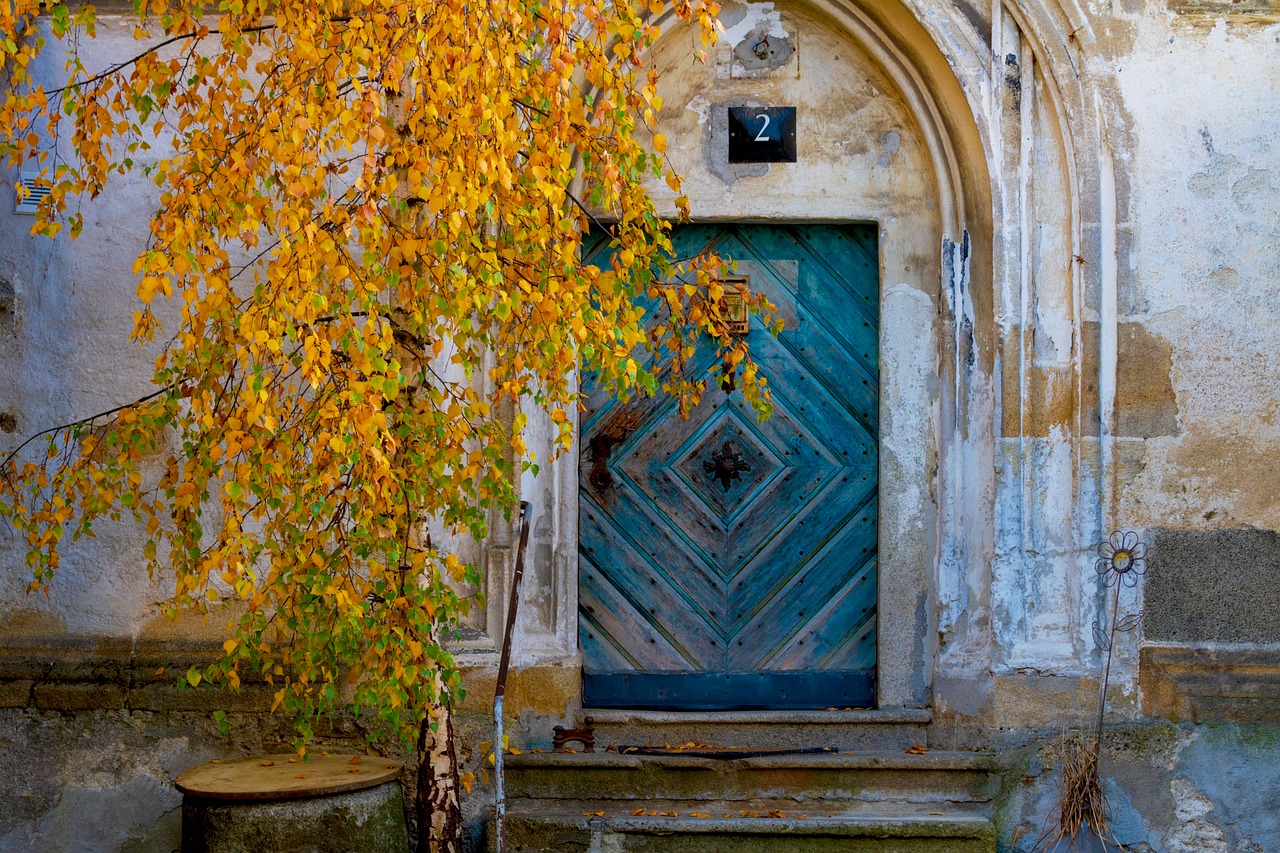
pixel 78 697
pixel 562 832
pixel 15 694
pixel 864 760
pixel 1211 684
pixel 90 673
pixel 1234 13
pixel 54 695
pixel 165 697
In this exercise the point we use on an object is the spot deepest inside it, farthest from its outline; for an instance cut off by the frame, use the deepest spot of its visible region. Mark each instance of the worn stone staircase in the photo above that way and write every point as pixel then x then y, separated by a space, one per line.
pixel 865 794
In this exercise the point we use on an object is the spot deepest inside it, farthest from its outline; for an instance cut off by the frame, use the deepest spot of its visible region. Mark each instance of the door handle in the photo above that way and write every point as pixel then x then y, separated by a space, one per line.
pixel 615 431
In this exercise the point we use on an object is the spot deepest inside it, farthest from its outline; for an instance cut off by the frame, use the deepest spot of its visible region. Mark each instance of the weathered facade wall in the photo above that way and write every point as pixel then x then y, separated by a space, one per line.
pixel 1081 305
pixel 1210 788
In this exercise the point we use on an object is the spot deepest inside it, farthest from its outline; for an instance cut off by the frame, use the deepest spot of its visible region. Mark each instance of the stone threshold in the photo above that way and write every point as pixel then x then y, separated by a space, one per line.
pixel 886 716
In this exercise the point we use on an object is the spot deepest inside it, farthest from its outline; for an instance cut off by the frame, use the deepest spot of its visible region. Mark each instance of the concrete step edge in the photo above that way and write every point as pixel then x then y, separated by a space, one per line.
pixel 861 825
pixel 853 760
pixel 720 801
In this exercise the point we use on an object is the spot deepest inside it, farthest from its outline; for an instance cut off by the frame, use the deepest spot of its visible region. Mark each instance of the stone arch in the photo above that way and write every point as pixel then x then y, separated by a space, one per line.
pixel 1024 70
pixel 979 421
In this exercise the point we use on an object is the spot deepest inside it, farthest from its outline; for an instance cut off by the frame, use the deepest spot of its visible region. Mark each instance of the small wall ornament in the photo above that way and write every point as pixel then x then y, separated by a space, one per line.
pixel 1121 558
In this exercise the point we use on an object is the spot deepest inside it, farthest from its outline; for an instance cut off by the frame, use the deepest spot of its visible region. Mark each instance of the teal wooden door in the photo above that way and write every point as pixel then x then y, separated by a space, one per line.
pixel 726 563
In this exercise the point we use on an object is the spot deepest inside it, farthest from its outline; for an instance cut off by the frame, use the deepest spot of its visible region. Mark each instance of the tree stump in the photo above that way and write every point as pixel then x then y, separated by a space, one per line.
pixel 283 804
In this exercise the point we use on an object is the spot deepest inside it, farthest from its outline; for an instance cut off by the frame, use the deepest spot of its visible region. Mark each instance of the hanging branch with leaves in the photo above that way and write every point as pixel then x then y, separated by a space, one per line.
pixel 371 217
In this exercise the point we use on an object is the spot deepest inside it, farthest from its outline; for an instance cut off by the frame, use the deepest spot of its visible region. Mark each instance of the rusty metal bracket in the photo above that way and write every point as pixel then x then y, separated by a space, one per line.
pixel 586 736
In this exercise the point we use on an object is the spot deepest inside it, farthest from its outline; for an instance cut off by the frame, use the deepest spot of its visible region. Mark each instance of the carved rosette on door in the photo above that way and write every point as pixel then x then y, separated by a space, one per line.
pixel 725 465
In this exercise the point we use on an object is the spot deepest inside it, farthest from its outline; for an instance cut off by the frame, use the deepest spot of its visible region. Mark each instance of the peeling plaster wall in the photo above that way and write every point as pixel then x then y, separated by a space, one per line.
pixel 1133 150
pixel 1172 789
pixel 1205 280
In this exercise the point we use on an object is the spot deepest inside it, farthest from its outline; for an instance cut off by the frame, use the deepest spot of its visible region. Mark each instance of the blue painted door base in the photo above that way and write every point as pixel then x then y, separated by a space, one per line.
pixel 730 564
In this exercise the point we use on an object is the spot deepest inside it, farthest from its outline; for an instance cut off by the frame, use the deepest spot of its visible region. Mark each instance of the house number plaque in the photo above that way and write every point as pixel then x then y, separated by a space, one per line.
pixel 762 134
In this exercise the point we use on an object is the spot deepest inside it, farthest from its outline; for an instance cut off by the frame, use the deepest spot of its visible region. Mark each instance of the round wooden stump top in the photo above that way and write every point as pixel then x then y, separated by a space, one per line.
pixel 286 777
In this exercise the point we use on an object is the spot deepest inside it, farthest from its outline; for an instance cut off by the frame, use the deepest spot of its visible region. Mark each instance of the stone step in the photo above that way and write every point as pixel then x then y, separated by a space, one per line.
pixel 841 730
pixel 818 783
pixel 889 832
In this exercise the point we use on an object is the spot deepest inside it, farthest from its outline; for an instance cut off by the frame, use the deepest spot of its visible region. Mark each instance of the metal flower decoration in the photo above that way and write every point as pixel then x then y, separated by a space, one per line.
pixel 1121 558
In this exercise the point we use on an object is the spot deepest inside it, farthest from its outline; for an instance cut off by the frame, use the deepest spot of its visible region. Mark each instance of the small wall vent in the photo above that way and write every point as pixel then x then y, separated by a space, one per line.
pixel 33 194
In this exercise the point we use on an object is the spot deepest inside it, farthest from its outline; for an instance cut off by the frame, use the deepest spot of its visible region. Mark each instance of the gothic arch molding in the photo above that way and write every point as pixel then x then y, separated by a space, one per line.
pixel 1014 188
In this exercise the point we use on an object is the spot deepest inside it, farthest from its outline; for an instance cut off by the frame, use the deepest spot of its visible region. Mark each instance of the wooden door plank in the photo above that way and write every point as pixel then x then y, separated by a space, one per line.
pixel 618 636
pixel 793 604
pixel 763 573
pixel 834 638
pixel 657 575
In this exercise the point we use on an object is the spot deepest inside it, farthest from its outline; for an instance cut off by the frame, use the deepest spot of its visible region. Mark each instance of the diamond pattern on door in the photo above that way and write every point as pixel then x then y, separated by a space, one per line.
pixel 726 563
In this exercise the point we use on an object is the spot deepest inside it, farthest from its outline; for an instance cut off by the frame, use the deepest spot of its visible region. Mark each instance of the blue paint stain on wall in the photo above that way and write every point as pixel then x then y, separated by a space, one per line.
pixel 1237 768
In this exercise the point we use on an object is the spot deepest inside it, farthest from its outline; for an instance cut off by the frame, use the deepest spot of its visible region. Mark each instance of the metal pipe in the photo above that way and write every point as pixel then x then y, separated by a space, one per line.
pixel 504 662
